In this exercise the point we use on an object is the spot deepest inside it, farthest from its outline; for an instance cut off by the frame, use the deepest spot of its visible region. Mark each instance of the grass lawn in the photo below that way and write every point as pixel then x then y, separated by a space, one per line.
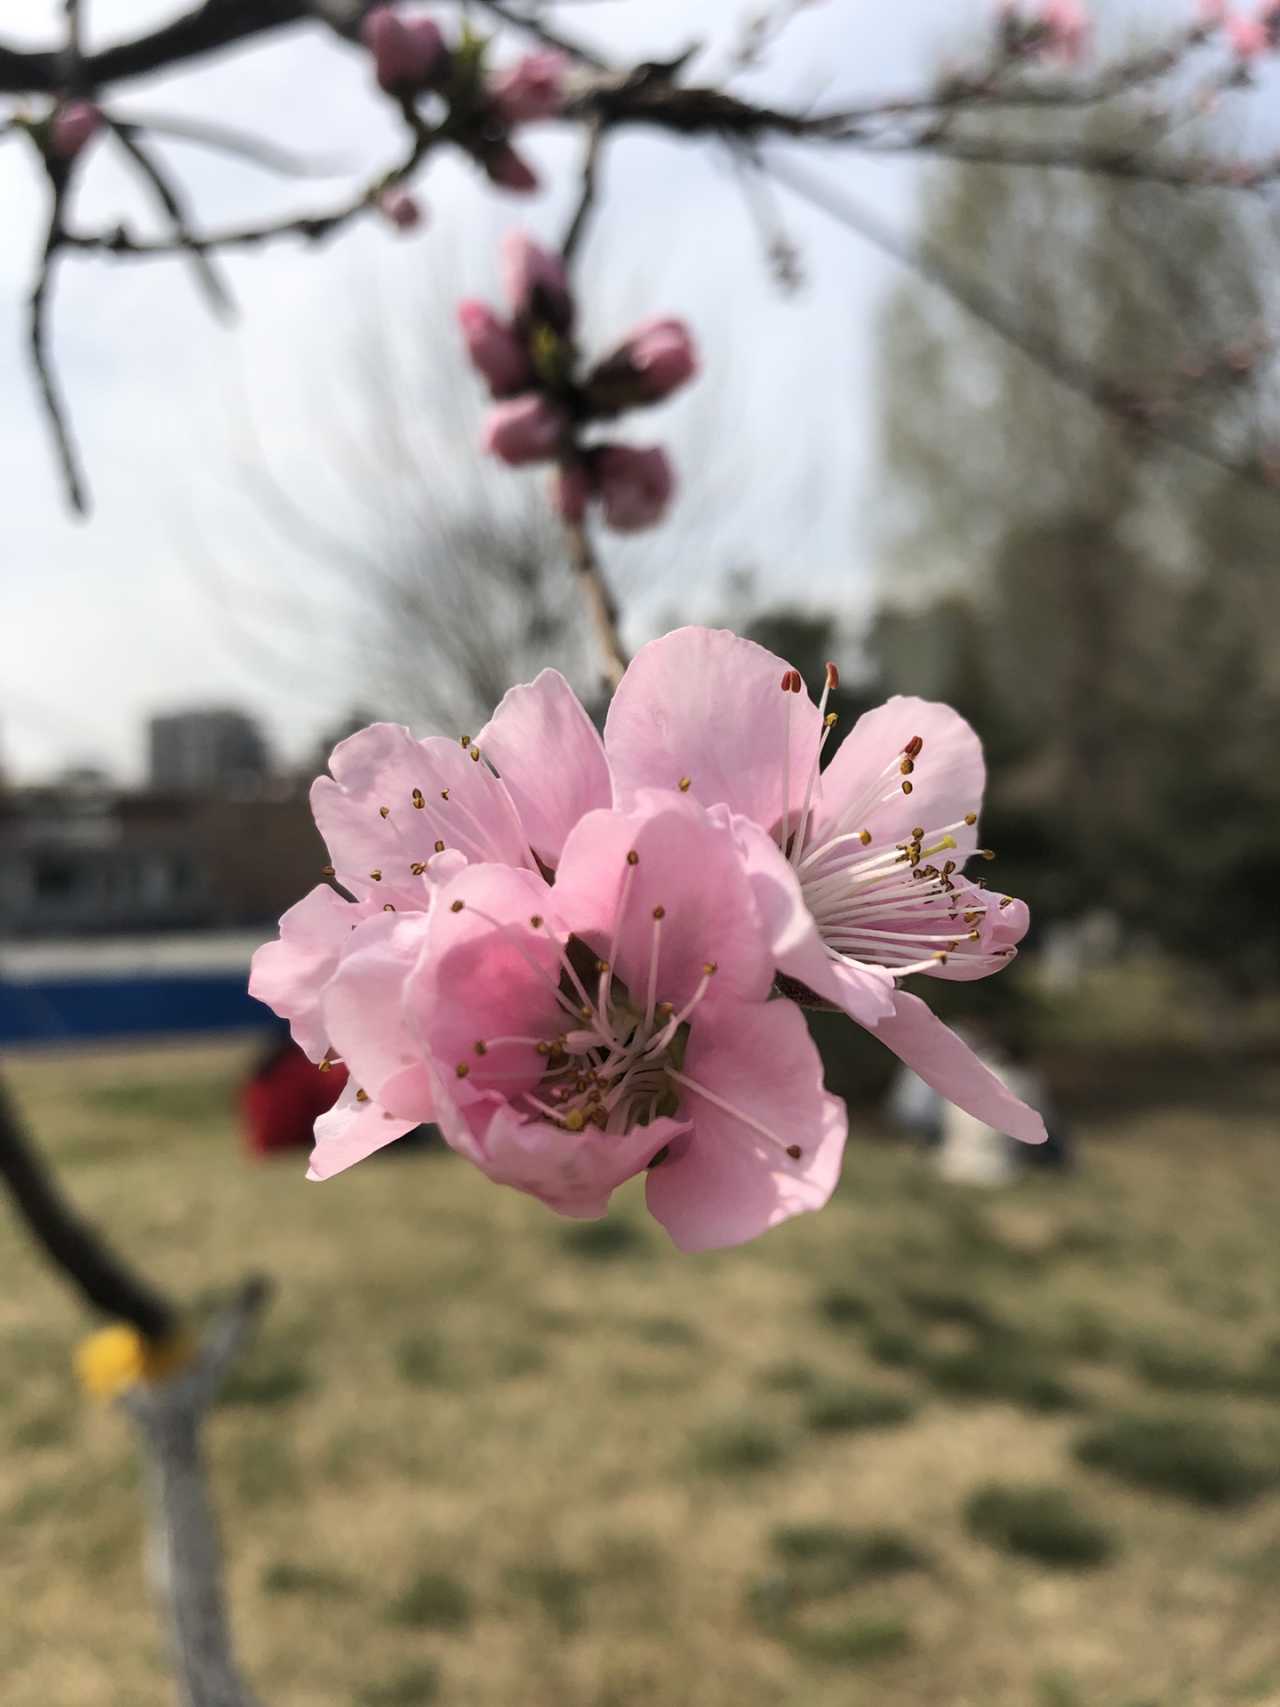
pixel 927 1449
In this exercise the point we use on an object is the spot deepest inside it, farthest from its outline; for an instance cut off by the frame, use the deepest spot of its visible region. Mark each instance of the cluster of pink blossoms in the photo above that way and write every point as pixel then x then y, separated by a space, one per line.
pixel 411 59
pixel 1050 29
pixel 530 363
pixel 567 951
pixel 1249 34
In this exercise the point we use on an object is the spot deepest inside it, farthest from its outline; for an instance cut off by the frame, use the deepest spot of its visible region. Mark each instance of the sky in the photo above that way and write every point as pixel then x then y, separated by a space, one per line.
pixel 176 592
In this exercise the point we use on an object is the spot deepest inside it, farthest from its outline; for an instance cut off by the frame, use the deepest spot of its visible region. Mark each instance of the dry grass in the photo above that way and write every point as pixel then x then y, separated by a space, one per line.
pixel 483 1458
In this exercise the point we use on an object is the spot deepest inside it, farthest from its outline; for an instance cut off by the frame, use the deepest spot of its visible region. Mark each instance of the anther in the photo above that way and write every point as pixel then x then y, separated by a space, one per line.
pixel 659 912
pixel 664 1010
pixel 462 1069
pixel 633 858
pixel 906 787
pixel 362 1096
pixel 686 783
pixel 465 740
pixel 1006 901
pixel 864 836
pixel 456 907
pixel 439 847
pixel 419 799
pixel 536 921
pixel 384 811
pixel 917 835
pixel 543 1048
pixel 482 1048
pixel 325 1066
pixel 475 754
pixel 388 907
pixel 418 867
pixel 326 871
pixel 585 1011
pixel 985 853
pixel 971 817
pixel 831 719
pixel 575 1120
pixel 710 967
pixel 376 876
pixel 833 677
pixel 444 794
pixel 795 1152
pixel 602 965
pixel 940 957
pixel 914 747
pixel 906 766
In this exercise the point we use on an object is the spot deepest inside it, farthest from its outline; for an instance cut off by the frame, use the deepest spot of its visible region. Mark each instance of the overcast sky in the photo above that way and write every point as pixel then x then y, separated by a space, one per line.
pixel 174 593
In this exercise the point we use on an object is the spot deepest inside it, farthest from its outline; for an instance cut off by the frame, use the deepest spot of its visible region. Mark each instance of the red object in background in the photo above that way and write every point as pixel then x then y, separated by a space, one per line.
pixel 281 1101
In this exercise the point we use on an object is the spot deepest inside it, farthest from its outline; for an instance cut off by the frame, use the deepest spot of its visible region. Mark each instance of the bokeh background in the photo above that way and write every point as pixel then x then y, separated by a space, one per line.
pixel 1017 1445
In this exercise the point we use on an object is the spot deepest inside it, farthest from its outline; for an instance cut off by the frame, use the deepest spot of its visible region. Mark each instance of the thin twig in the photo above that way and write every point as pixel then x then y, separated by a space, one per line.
pixel 587 196
pixel 216 293
pixel 38 310
pixel 227 139
pixel 602 609
pixel 99 1274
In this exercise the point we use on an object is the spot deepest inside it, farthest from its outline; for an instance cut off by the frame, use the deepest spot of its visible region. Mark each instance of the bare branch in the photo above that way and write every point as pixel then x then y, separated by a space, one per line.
pixel 37 310
pixel 602 610
pixel 587 196
pixel 226 139
pixel 216 293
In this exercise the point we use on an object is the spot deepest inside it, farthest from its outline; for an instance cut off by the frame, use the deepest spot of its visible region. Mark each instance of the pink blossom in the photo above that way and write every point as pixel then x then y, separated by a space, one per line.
pixel 509 170
pixel 401 208
pixel 74 122
pixel 1247 36
pixel 536 283
pixel 619 1022
pixel 654 361
pixel 532 89
pixel 524 429
pixel 1212 13
pixel 406 54
pixel 495 351
pixel 635 486
pixel 1067 25
pixel 570 491
pixel 858 869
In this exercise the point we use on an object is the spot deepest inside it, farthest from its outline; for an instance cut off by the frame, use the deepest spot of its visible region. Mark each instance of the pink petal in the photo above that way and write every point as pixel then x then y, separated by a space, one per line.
pixel 946 782
pixel 365 1013
pixel 705 704
pixel 726 1183
pixel 349 1132
pixel 385 766
pixel 687 866
pixel 865 993
pixel 550 757
pixel 289 975
pixel 935 1054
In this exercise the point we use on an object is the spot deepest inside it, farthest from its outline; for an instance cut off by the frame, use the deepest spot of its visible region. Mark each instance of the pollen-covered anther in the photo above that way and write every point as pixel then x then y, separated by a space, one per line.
pixel 659 912
pixel 384 811
pixel 586 1012
pixel 376 876
pixel 602 966
pixel 575 1120
pixel 419 799
pixel 439 847
pixel 864 836
pixel 326 871
pixel 795 1152
pixel 542 1047
pixel 418 867
pixel 456 906
pixel 833 677
pixel 633 858
pixel 985 853
pixel 906 786
pixel 388 907
pixel 831 719
pixel 482 1048
pixel 940 956
pixel 462 1069
pixel 664 1010
pixel 971 818
pixel 685 784
pixel 710 968
pixel 914 747
pixel 362 1096
pixel 475 754
pixel 464 740
pixel 444 794
pixel 535 919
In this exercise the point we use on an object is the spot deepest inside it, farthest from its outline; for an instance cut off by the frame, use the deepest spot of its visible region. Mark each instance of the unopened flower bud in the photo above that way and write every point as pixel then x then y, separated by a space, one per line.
pixel 407 56
pixel 524 429
pixel 532 89
pixel 654 361
pixel 402 209
pixel 1247 37
pixel 495 351
pixel 510 170
pixel 634 486
pixel 536 283
pixel 72 125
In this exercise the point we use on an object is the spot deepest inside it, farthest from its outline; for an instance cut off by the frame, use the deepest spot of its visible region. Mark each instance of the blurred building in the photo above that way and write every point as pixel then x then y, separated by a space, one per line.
pixel 217 750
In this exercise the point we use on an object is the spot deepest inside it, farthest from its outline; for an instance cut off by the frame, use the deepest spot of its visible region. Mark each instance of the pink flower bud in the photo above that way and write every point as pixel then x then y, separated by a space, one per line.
pixel 406 56
pixel 532 89
pixel 536 283
pixel 495 351
pixel 1066 24
pixel 524 429
pixel 570 490
pixel 510 170
pixel 73 124
pixel 655 360
pixel 635 486
pixel 401 208
pixel 1247 36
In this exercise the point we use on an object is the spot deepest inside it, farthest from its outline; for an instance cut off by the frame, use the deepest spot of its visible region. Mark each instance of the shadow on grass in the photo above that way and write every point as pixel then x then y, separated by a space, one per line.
pixel 419 1686
pixel 845 1410
pixel 432 1600
pixel 1193 1458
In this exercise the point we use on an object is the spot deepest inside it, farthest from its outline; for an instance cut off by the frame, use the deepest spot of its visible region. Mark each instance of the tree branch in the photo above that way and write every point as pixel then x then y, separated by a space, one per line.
pixel 602 610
